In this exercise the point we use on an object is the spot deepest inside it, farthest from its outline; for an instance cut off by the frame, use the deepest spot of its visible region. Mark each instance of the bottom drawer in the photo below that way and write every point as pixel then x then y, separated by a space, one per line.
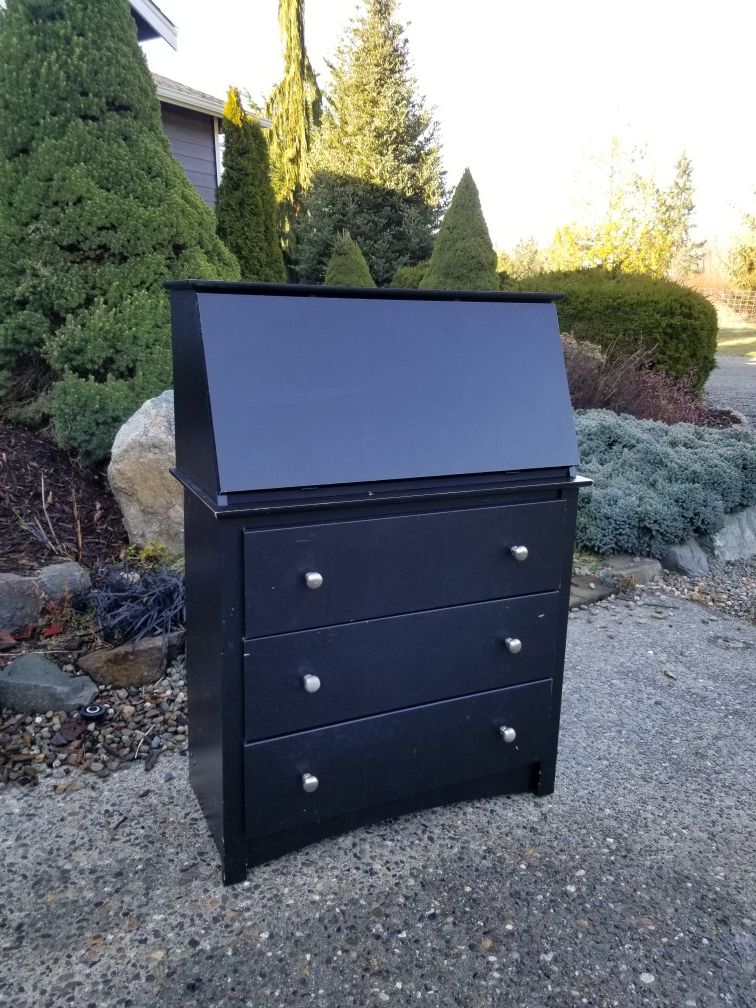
pixel 378 759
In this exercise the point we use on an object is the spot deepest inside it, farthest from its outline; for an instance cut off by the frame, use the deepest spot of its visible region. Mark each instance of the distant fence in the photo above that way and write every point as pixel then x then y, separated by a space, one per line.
pixel 741 302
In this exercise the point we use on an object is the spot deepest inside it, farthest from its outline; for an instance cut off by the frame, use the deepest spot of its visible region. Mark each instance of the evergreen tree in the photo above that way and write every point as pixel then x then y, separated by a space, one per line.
pixel 347 266
pixel 636 226
pixel 246 208
pixel 294 108
pixel 96 215
pixel 377 162
pixel 463 256
pixel 740 264
pixel 676 221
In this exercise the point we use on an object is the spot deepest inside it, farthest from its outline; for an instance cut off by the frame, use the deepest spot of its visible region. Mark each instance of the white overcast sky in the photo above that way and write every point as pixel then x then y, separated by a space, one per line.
pixel 526 92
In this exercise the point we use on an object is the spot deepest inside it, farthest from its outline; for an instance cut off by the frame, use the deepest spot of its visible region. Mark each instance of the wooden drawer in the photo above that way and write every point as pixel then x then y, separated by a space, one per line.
pixel 385 566
pixel 380 759
pixel 316 677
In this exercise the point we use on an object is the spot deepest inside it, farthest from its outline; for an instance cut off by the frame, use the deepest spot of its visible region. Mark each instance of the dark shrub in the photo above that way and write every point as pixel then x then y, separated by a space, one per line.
pixel 132 601
pixel 606 379
pixel 675 325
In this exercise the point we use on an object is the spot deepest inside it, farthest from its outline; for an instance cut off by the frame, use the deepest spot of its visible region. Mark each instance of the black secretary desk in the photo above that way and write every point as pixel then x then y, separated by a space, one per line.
pixel 380 498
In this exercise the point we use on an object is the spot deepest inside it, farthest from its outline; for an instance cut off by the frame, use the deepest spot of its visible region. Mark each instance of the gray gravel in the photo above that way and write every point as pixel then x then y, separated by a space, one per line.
pixel 732 385
pixel 634 885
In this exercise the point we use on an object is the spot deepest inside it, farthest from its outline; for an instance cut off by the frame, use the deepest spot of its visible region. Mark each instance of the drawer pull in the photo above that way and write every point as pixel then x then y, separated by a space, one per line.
pixel 313 580
pixel 508 734
pixel 519 552
pixel 310 782
pixel 513 645
pixel 311 683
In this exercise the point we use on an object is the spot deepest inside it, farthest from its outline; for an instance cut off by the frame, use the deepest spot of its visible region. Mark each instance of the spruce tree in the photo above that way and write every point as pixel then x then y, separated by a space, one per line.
pixel 347 266
pixel 463 256
pixel 96 214
pixel 376 162
pixel 246 208
pixel 294 109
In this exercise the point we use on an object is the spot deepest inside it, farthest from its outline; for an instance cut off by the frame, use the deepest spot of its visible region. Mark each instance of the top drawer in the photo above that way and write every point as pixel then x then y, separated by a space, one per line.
pixel 385 566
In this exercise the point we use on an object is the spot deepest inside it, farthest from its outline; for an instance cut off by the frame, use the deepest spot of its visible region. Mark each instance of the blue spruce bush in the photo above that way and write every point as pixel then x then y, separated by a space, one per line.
pixel 657 484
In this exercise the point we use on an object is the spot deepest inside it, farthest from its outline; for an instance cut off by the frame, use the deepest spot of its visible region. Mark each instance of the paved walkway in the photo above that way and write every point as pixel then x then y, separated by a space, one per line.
pixel 633 886
pixel 732 385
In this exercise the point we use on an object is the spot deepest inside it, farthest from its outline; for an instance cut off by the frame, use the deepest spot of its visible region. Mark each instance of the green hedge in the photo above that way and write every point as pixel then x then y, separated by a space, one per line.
pixel 658 484
pixel 676 325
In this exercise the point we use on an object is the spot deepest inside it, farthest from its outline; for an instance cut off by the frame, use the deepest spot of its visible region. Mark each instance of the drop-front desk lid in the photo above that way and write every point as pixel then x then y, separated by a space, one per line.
pixel 281 386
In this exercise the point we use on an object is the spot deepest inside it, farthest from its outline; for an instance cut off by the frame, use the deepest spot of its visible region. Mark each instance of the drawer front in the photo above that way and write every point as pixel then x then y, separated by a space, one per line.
pixel 316 677
pixel 379 759
pixel 385 566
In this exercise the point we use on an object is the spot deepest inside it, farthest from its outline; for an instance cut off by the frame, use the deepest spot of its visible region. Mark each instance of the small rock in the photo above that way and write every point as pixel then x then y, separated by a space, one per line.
pixel 687 558
pixel 643 570
pixel 33 682
pixel 647 978
pixel 132 664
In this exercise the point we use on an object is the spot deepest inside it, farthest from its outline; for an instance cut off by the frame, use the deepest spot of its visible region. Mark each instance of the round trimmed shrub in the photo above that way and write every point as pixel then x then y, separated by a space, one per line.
pixel 675 325
pixel 658 484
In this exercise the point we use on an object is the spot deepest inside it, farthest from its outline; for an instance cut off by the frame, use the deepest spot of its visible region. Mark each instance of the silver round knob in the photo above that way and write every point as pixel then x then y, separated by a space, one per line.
pixel 513 645
pixel 311 683
pixel 508 734
pixel 309 783
pixel 313 580
pixel 519 552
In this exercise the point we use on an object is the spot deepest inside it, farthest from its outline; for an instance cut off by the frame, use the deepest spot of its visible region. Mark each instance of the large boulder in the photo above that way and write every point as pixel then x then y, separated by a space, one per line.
pixel 150 499
pixel 33 683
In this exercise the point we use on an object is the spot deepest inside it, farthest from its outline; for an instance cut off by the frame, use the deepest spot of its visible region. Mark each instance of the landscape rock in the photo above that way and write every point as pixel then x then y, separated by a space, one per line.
pixel 57 580
pixel 686 558
pixel 19 601
pixel 643 570
pixel 21 595
pixel 132 665
pixel 737 540
pixel 150 499
pixel 32 682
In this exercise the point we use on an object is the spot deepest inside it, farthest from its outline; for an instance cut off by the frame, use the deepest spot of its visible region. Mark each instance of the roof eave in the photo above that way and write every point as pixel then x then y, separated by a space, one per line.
pixel 152 23
pixel 172 96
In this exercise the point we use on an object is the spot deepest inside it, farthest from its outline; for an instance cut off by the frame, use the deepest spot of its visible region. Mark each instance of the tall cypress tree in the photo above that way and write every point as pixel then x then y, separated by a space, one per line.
pixel 246 208
pixel 377 162
pixel 463 256
pixel 294 108
pixel 96 214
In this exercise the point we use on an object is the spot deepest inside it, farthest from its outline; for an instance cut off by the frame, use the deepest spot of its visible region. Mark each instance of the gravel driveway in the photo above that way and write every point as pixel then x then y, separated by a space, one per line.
pixel 634 885
pixel 732 385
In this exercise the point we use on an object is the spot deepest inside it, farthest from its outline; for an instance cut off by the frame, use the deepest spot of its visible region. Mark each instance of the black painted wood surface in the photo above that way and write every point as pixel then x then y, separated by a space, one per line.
pixel 384 566
pixel 386 664
pixel 382 758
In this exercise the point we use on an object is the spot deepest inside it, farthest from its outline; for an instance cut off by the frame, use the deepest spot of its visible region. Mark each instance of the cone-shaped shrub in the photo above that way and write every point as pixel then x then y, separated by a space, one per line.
pixel 347 266
pixel 463 257
pixel 95 214
pixel 247 214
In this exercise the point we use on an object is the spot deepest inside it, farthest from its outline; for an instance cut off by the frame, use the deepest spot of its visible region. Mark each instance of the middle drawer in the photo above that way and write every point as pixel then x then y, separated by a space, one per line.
pixel 316 677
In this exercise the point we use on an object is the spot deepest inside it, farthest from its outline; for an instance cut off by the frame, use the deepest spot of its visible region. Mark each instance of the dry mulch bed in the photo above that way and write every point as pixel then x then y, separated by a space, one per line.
pixel 76 517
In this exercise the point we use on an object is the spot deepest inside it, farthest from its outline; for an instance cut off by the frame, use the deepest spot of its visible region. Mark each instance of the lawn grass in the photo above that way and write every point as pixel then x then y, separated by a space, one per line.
pixel 738 342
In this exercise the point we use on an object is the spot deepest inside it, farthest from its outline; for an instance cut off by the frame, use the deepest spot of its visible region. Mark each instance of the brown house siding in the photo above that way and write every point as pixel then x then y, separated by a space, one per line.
pixel 193 143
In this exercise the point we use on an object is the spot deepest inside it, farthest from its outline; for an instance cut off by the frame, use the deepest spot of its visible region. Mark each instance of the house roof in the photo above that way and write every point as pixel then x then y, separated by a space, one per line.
pixel 152 23
pixel 171 92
